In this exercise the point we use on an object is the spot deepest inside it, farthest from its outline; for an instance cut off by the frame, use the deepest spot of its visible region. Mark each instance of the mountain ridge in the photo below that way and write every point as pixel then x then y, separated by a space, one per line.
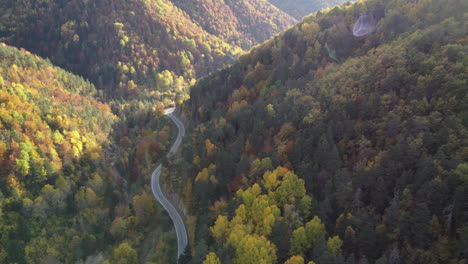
pixel 301 8
pixel 132 46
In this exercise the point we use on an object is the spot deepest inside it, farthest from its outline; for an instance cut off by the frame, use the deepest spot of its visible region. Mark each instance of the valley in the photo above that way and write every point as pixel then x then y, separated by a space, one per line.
pixel 159 194
pixel 243 132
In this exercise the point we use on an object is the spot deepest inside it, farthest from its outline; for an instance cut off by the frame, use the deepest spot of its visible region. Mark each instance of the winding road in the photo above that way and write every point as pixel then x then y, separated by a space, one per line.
pixel 179 225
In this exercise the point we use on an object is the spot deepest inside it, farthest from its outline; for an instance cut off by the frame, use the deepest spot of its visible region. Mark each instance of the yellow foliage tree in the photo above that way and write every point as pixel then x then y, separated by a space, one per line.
pixel 209 147
pixel 212 258
pixel 295 260
pixel 220 230
pixel 254 249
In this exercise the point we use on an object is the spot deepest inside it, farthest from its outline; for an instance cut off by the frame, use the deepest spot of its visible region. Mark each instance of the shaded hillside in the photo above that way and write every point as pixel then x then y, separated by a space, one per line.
pixel 125 46
pixel 322 146
pixel 301 8
pixel 240 23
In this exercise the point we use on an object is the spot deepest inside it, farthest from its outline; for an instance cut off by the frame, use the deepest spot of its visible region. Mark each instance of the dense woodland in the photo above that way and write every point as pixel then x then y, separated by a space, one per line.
pixel 239 23
pixel 151 48
pixel 52 137
pixel 92 154
pixel 328 143
pixel 322 147
pixel 61 198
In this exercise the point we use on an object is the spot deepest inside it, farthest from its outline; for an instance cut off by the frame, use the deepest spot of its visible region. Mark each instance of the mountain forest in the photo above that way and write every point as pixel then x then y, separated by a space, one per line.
pixel 234 131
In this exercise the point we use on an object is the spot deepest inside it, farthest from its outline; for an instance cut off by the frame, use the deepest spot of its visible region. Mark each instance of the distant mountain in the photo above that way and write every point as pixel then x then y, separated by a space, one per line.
pixel 125 45
pixel 240 23
pixel 302 8
pixel 342 140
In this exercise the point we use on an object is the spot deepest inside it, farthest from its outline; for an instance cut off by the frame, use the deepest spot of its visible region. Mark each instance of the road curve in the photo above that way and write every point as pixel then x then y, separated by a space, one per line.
pixel 179 225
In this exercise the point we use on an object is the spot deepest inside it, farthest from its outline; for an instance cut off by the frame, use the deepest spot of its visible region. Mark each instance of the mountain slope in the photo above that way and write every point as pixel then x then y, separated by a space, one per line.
pixel 120 45
pixel 61 198
pixel 52 169
pixel 240 23
pixel 368 135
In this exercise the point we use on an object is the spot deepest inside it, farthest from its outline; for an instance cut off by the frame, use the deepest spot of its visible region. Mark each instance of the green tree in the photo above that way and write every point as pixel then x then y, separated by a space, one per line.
pixel 124 254
pixel 334 245
pixel 299 242
pixel 304 237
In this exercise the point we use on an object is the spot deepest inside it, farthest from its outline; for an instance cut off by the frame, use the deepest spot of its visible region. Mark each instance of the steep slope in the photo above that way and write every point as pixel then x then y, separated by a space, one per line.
pixel 240 23
pixel 60 198
pixel 121 45
pixel 52 170
pixel 368 135
pixel 301 8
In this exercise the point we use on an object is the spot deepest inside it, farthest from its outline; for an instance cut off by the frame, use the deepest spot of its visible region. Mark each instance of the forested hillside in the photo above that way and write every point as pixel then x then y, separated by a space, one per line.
pixel 301 8
pixel 343 140
pixel 126 47
pixel 240 23
pixel 52 135
pixel 60 198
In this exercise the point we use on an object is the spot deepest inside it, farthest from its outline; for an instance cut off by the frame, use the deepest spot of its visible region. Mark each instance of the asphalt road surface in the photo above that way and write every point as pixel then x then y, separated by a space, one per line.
pixel 179 225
